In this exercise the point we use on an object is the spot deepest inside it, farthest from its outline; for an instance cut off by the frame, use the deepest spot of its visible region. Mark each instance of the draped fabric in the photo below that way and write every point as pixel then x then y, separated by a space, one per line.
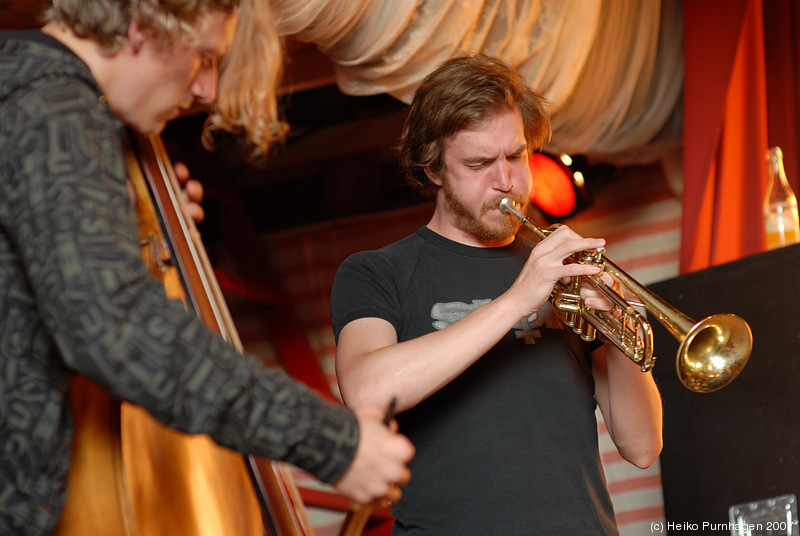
pixel 742 94
pixel 612 69
pixel 725 135
pixel 781 43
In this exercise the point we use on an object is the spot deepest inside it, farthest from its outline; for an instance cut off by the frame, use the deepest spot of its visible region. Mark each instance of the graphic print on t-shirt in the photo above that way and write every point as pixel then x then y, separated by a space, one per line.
pixel 447 314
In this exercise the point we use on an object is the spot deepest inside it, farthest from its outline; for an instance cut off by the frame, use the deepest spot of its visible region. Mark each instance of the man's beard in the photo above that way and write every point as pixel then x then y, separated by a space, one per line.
pixel 501 228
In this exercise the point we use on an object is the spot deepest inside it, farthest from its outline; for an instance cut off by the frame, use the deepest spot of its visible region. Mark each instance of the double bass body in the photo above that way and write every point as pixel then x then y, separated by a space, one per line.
pixel 131 475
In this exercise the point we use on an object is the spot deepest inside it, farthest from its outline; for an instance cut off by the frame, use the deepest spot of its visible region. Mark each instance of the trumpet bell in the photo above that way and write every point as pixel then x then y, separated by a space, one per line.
pixel 714 352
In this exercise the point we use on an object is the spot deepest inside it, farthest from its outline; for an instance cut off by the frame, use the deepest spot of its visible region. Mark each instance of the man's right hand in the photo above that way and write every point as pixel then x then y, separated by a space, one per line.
pixel 380 465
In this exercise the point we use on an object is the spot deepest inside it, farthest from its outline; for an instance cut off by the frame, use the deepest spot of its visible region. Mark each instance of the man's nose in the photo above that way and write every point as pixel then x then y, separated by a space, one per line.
pixel 502 178
pixel 204 88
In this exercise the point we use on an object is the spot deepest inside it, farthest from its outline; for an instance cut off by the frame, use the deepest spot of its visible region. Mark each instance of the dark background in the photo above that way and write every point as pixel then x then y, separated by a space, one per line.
pixel 739 444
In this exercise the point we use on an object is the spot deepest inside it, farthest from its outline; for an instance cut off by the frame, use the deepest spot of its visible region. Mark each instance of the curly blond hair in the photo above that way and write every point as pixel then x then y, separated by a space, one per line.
pixel 249 73
pixel 248 85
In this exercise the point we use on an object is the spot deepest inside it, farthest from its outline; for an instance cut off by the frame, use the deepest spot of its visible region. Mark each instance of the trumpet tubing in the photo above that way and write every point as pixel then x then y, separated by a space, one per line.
pixel 711 354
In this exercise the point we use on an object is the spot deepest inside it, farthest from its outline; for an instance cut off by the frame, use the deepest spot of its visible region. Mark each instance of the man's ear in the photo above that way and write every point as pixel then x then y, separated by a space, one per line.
pixel 434 177
pixel 136 37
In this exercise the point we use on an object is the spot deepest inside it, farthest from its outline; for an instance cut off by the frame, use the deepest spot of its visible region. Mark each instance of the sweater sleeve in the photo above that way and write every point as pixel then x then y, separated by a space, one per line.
pixel 67 211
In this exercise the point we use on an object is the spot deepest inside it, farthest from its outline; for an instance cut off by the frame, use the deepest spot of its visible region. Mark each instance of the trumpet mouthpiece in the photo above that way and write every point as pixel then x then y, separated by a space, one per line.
pixel 507 206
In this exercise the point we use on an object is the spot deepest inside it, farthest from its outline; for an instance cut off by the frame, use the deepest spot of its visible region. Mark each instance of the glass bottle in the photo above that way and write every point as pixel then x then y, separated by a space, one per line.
pixel 780 204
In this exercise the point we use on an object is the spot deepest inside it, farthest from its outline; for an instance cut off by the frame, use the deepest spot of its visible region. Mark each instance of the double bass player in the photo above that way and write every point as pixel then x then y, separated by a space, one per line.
pixel 76 297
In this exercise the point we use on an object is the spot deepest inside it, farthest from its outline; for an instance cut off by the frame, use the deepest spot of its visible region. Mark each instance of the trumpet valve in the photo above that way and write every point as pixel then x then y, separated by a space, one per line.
pixel 593 256
pixel 569 303
pixel 572 320
pixel 589 332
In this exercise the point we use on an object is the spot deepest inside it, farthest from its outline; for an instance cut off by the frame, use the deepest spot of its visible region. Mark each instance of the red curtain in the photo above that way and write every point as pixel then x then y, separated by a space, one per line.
pixel 740 98
pixel 782 49
pixel 724 133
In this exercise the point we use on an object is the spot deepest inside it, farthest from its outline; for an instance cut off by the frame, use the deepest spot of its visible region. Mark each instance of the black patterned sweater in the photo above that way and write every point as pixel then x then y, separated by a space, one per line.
pixel 75 297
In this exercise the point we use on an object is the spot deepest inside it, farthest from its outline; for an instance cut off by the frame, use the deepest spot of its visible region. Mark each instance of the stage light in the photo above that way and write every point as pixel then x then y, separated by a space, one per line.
pixel 563 184
pixel 553 186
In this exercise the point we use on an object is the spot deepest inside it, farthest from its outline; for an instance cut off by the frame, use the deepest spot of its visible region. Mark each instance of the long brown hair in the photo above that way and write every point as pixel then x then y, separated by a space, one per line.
pixel 460 94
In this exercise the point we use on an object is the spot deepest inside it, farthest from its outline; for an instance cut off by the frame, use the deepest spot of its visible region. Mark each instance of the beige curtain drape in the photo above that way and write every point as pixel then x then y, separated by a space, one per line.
pixel 613 69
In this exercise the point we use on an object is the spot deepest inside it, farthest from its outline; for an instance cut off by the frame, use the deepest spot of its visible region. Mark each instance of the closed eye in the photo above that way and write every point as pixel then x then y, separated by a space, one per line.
pixel 521 154
pixel 478 163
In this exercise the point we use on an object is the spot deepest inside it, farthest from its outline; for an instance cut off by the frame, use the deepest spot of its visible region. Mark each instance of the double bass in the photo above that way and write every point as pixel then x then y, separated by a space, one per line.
pixel 132 476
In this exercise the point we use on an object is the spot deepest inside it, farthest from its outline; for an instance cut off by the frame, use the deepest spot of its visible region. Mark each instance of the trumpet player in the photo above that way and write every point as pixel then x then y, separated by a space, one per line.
pixel 498 396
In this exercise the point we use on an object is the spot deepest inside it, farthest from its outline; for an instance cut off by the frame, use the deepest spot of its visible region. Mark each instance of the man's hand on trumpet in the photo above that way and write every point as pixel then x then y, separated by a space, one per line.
pixel 550 262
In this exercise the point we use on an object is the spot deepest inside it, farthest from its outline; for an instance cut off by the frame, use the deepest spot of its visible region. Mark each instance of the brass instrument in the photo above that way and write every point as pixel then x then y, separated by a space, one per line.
pixel 712 352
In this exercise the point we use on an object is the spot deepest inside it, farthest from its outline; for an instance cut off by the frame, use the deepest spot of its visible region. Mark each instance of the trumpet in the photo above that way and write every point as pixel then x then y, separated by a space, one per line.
pixel 711 354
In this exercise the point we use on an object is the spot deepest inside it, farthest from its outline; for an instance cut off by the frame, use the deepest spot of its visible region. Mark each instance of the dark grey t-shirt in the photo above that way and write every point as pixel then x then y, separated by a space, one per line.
pixel 510 446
